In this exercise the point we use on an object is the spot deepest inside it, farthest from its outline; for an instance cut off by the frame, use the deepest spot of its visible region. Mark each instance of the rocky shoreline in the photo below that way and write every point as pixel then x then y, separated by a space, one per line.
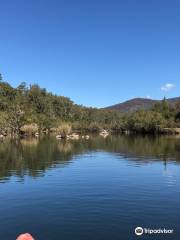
pixel 76 134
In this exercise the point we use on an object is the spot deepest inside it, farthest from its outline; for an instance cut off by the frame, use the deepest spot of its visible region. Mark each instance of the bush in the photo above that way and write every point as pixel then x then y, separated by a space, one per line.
pixel 3 123
pixel 64 129
pixel 146 121
pixel 29 129
pixel 94 127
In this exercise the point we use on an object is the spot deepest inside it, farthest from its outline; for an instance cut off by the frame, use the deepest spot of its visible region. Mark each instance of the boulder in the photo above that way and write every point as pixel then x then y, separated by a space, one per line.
pixel 104 133
pixel 74 136
pixel 58 137
pixel 87 137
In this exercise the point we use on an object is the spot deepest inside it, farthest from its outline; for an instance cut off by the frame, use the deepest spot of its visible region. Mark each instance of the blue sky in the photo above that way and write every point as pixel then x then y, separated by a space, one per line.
pixel 96 52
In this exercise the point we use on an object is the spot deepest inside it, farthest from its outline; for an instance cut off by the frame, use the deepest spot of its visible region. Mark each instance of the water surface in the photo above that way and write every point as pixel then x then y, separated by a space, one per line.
pixel 89 189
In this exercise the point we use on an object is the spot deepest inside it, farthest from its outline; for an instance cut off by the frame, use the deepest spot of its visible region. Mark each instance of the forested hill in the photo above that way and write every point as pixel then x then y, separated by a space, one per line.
pixel 25 105
pixel 140 104
pixel 32 108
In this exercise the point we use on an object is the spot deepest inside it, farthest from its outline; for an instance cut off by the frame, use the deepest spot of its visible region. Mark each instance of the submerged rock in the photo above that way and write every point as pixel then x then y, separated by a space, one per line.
pixel 74 136
pixel 104 133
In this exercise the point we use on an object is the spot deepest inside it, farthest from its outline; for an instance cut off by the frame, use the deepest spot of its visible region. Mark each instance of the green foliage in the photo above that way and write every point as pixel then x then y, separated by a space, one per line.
pixel 34 106
pixel 3 123
pixel 1 78
pixel 15 118
pixel 146 121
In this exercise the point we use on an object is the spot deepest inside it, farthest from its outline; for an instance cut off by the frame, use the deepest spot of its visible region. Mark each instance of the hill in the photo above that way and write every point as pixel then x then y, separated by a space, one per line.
pixel 139 103
pixel 32 110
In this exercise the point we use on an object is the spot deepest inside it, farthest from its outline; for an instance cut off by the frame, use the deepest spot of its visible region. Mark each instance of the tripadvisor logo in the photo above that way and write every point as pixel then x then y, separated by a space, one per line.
pixel 139 231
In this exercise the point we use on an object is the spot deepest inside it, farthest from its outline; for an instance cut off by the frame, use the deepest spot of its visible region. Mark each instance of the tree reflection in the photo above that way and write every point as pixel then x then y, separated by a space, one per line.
pixel 33 157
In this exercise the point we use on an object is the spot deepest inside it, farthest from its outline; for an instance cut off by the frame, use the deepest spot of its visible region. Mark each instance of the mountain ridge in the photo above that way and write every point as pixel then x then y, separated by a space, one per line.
pixel 138 103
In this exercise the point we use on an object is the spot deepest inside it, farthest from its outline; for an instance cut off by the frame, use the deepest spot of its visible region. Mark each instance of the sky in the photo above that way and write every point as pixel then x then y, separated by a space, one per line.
pixel 97 52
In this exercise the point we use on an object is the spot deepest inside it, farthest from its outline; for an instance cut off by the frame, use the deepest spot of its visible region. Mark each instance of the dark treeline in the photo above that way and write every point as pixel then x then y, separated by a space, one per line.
pixel 33 106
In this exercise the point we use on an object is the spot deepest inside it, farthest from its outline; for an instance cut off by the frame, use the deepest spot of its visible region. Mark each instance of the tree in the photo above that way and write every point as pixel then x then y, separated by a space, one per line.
pixel 146 121
pixel 34 105
pixel 3 122
pixel 165 108
pixel 22 88
pixel 1 78
pixel 15 119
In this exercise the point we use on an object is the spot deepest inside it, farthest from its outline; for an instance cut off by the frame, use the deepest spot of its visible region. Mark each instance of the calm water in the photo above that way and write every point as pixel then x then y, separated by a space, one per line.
pixel 89 189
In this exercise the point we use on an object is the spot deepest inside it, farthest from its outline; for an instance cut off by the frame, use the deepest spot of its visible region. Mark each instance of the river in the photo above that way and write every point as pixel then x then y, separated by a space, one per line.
pixel 100 188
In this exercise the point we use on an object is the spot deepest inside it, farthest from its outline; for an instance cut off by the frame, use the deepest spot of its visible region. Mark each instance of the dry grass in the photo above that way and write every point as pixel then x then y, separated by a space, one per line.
pixel 30 129
pixel 64 129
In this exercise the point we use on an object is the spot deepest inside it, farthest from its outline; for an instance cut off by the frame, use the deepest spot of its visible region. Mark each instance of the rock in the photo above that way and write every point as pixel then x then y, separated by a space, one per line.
pixel 127 132
pixel 104 133
pixel 171 131
pixel 74 136
pixel 87 136
pixel 36 134
pixel 58 137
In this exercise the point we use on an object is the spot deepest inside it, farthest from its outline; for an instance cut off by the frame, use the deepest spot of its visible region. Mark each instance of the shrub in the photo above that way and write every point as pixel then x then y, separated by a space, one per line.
pixel 29 129
pixel 64 129
pixel 3 122
pixel 94 127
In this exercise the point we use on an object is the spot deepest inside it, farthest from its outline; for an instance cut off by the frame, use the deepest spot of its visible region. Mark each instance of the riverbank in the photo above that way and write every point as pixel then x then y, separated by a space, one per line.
pixel 30 111
pixel 76 134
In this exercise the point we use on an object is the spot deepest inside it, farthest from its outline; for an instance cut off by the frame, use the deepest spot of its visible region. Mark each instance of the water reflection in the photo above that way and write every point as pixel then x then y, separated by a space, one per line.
pixel 33 156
